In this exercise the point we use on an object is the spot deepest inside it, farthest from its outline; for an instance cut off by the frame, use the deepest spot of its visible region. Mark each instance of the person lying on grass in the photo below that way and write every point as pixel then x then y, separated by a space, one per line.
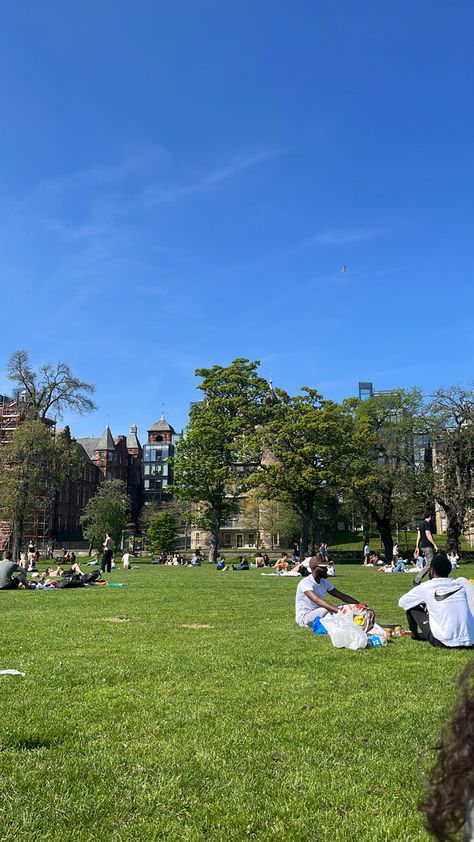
pixel 310 593
pixel 441 610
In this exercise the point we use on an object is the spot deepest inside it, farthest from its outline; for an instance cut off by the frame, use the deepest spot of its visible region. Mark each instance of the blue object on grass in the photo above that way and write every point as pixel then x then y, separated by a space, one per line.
pixel 318 627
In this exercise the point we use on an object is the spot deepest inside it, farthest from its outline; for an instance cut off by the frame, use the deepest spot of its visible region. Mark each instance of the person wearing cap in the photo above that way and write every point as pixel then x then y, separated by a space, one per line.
pixel 311 592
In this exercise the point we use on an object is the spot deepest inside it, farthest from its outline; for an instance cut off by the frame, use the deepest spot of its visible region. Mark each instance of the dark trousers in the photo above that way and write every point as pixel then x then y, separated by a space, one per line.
pixel 13 584
pixel 419 625
pixel 106 561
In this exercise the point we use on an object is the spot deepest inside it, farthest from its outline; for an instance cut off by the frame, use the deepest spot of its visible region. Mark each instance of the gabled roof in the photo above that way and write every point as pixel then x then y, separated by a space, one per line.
pixel 105 442
pixel 89 445
pixel 82 452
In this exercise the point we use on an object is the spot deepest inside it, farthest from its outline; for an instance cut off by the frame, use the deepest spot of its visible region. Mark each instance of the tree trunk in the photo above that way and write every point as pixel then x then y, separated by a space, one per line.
pixel 304 537
pixel 454 532
pixel 213 547
pixel 19 520
pixel 387 540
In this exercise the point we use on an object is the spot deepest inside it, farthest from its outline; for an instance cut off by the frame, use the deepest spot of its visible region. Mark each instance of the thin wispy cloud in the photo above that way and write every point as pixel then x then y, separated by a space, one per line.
pixel 346 236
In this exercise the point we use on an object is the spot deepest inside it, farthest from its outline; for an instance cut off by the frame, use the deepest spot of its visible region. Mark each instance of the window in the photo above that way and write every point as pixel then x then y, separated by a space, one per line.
pixel 110 456
pixel 251 541
pixel 240 542
pixel 227 541
pixel 197 537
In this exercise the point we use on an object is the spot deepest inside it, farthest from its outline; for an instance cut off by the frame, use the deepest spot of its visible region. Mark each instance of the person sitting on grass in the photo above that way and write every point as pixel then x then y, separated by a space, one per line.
pixel 398 564
pixel 9 582
pixel 441 610
pixel 282 563
pixel 311 591
pixel 259 560
pixel 242 565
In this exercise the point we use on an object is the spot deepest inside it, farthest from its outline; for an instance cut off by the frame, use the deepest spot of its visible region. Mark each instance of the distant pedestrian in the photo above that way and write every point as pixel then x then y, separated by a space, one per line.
pixel 426 543
pixel 108 546
pixel 366 553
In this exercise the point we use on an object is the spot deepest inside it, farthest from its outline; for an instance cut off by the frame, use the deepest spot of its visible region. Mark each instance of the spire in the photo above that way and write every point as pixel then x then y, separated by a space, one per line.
pixel 106 442
pixel 271 396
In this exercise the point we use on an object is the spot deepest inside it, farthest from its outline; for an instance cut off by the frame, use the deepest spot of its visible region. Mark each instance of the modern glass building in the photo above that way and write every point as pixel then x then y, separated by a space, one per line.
pixel 157 472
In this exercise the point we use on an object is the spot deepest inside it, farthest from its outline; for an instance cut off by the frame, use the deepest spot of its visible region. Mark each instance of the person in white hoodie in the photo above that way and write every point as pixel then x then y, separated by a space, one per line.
pixel 441 610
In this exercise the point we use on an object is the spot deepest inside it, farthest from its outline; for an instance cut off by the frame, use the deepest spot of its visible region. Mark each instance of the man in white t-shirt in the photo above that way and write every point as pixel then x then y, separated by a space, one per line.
pixel 311 591
pixel 441 610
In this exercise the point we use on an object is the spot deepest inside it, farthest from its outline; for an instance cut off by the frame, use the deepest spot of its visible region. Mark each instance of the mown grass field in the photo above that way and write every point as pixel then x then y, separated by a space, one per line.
pixel 129 726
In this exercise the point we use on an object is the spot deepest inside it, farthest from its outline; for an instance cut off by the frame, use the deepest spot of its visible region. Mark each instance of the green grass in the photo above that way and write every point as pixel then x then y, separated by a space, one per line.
pixel 250 729
pixel 355 541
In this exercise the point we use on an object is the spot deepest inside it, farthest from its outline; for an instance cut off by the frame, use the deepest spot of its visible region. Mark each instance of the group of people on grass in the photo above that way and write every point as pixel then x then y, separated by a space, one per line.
pixel 13 575
pixel 439 610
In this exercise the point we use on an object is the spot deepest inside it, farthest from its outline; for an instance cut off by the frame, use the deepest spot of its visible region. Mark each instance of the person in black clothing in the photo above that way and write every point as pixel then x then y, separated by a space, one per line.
pixel 426 543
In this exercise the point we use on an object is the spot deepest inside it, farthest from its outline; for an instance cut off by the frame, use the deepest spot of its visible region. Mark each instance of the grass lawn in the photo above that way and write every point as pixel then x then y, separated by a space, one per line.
pixel 129 726
pixel 355 541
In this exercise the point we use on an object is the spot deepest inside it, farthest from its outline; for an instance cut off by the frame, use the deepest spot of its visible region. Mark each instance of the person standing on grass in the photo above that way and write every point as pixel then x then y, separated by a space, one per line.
pixel 426 543
pixel 9 582
pixel 108 546
pixel 366 553
pixel 441 611
pixel 311 591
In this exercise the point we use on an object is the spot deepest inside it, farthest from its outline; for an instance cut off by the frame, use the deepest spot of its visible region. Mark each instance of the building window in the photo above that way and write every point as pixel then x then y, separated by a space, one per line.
pixel 240 542
pixel 197 538
pixel 251 542
pixel 227 541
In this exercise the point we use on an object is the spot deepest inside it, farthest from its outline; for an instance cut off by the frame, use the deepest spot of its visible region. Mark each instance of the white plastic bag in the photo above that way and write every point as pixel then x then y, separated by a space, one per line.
pixel 377 636
pixel 344 633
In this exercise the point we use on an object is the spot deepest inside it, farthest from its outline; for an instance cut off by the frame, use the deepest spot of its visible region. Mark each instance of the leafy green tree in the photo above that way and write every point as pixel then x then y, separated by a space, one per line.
pixel 51 390
pixel 213 462
pixel 162 532
pixel 304 443
pixel 452 429
pixel 387 474
pixel 106 511
pixel 33 465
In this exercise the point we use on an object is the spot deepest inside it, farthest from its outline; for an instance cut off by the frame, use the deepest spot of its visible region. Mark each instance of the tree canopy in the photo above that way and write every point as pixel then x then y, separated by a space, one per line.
pixel 162 532
pixel 387 474
pixel 303 443
pixel 33 465
pixel 107 511
pixel 213 462
pixel 52 389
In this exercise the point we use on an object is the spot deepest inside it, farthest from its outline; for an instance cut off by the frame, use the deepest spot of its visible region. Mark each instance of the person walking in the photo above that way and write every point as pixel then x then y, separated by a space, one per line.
pixel 426 543
pixel 108 546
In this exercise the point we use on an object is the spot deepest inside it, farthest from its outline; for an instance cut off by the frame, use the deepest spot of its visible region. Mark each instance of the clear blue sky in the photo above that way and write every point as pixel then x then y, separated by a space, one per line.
pixel 182 182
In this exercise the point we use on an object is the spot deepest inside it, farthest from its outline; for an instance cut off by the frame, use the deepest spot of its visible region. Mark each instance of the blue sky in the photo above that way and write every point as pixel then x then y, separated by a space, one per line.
pixel 181 183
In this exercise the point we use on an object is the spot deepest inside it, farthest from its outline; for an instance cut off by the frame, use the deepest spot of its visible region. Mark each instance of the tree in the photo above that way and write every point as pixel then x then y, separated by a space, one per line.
pixel 52 390
pixel 107 511
pixel 213 462
pixel 33 465
pixel 304 446
pixel 452 431
pixel 162 532
pixel 387 474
